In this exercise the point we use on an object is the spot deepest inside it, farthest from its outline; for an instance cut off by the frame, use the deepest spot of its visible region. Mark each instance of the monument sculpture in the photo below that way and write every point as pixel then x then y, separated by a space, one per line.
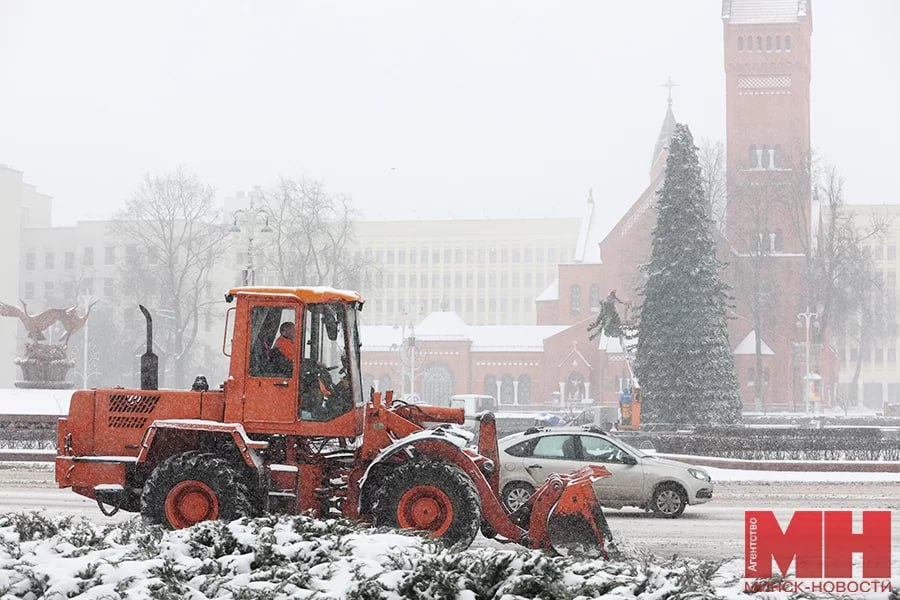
pixel 46 365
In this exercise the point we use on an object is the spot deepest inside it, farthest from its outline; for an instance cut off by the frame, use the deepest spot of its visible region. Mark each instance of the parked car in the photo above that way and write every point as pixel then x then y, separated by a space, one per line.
pixel 638 479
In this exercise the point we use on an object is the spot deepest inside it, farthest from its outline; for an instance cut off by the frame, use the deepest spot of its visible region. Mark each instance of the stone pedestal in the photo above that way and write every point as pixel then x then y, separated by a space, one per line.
pixel 44 367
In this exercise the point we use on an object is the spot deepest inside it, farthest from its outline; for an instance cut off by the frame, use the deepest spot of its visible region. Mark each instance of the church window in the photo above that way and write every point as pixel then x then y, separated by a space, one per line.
pixel 749 43
pixel 524 391
pixel 759 43
pixel 575 299
pixel 768 43
pixel 751 377
pixel 777 43
pixel 594 298
pixel 754 157
pixel 766 162
pixel 787 43
pixel 740 43
pixel 779 158
pixel 490 385
pixel 778 241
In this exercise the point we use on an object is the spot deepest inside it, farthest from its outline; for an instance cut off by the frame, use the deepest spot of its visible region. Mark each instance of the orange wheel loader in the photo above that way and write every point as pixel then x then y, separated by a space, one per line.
pixel 292 431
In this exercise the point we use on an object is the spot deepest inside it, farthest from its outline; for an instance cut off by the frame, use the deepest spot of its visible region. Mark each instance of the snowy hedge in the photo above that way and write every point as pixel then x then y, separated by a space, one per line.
pixel 298 557
pixel 846 443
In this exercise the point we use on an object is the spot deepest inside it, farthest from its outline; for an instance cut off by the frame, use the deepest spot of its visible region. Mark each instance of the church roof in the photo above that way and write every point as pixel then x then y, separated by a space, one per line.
pixel 587 250
pixel 550 293
pixel 748 345
pixel 750 12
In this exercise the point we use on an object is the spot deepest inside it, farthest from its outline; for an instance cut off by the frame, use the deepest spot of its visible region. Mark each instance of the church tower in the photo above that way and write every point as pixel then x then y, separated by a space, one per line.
pixel 768 213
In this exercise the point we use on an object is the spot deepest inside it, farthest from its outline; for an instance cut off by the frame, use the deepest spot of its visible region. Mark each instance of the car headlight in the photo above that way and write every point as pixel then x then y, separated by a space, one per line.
pixel 701 475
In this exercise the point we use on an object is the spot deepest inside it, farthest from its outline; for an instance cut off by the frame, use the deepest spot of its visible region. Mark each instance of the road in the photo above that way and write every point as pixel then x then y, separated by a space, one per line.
pixel 710 531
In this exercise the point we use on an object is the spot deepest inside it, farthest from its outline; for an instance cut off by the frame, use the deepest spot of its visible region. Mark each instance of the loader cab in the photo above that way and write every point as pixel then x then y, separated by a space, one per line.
pixel 296 362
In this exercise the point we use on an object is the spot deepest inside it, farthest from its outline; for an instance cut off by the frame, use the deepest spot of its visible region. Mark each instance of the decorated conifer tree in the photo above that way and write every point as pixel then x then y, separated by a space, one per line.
pixel 684 361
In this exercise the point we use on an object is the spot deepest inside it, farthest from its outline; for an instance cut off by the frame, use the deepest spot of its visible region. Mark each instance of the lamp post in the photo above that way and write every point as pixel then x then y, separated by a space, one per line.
pixel 251 217
pixel 86 300
pixel 805 319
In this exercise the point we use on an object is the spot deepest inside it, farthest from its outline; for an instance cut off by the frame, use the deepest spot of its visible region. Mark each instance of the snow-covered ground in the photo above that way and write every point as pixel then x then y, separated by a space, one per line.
pixel 298 557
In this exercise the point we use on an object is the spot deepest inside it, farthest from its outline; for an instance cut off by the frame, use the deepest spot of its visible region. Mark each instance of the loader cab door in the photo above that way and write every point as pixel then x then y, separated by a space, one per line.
pixel 270 389
pixel 330 381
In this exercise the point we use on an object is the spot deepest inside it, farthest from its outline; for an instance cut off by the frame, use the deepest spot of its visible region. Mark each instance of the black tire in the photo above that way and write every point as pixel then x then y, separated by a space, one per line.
pixel 396 493
pixel 515 494
pixel 669 500
pixel 210 478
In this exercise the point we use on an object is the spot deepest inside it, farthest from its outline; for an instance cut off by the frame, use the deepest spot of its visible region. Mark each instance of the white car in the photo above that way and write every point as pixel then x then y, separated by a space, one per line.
pixel 638 479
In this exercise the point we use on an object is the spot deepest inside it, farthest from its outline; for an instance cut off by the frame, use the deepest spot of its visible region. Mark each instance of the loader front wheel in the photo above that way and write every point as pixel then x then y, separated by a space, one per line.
pixel 188 488
pixel 432 496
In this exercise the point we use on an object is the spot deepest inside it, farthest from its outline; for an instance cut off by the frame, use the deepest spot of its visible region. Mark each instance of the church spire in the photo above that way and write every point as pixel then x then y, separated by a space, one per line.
pixel 660 151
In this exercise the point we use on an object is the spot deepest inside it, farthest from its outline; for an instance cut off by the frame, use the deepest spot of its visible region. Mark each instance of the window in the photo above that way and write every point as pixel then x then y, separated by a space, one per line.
pixel 29 290
pixel 88 260
pixel 594 298
pixel 758 43
pixel 131 255
pixel 879 356
pixel 768 43
pixel 740 41
pixel 555 446
pixel 575 299
pixel 48 289
pixel 413 256
pixel 108 286
pixel 423 280
pixel 522 449
pixel 524 390
pixel 777 43
pixel 458 255
pixel 601 450
pixel 892 252
pixel 401 256
pixel 109 255
pixel 29 261
pixel 458 280
pixel 390 256
pixel 447 255
pixel 749 42
pixel 754 157
pixel 435 257
pixel 447 280
pixel 892 355
pixel 401 280
pixel 751 376
pixel 70 260
pixel 49 259
pixel 787 43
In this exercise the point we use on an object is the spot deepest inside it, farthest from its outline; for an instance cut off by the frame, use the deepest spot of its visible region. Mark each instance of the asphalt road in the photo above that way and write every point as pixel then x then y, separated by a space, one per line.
pixel 710 531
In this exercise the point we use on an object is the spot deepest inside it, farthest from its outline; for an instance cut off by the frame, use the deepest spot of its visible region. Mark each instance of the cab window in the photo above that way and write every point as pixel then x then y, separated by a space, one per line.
pixel 326 389
pixel 266 359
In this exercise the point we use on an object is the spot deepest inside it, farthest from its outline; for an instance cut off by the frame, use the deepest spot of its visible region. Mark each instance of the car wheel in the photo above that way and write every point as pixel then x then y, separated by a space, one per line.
pixel 669 500
pixel 516 494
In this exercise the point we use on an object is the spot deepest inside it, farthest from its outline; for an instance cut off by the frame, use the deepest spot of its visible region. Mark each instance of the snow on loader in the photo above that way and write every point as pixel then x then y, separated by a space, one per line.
pixel 290 431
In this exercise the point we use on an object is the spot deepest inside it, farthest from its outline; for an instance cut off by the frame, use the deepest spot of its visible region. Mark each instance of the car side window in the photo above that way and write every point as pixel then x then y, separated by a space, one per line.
pixel 555 446
pixel 599 449
pixel 522 449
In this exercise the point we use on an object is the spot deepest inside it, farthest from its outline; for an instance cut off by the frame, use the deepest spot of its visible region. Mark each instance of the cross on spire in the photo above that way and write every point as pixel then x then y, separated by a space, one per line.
pixel 669 84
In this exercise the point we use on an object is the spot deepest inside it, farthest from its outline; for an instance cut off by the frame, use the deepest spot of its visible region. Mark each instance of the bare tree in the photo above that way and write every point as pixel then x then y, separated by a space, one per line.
pixel 313 232
pixel 712 171
pixel 173 237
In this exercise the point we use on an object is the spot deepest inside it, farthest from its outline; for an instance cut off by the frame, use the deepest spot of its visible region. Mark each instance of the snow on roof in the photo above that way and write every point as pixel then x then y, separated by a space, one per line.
pixel 551 293
pixel 749 12
pixel 610 345
pixel 14 401
pixel 748 346
pixel 449 326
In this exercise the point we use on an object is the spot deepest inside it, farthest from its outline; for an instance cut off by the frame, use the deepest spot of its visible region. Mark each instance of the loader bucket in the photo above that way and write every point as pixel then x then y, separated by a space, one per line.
pixel 566 517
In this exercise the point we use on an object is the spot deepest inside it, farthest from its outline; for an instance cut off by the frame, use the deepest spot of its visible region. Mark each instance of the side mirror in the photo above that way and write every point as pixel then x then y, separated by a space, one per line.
pixel 629 459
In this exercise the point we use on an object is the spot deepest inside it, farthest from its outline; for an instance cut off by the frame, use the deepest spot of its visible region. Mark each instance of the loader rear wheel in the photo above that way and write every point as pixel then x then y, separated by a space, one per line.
pixel 432 496
pixel 668 501
pixel 188 488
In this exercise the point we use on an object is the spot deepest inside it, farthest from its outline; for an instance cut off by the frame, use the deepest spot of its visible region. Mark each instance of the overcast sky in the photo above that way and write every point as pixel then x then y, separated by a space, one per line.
pixel 414 109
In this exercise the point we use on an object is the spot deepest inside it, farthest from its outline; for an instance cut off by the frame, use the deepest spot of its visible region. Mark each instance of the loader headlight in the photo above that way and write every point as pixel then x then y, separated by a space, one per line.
pixel 701 475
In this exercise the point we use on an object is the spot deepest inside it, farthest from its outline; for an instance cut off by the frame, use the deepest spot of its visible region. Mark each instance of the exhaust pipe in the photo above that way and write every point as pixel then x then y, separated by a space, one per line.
pixel 149 361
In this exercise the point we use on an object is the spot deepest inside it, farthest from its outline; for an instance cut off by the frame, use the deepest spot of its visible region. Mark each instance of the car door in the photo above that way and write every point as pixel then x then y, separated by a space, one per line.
pixel 555 453
pixel 626 484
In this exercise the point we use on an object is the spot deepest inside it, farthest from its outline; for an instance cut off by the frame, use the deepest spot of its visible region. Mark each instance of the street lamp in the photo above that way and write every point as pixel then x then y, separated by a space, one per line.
pixel 805 319
pixel 407 350
pixel 86 300
pixel 251 217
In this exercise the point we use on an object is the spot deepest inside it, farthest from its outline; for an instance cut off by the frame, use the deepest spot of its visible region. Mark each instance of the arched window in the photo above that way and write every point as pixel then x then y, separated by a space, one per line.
pixel 740 43
pixel 575 299
pixel 594 298
pixel 778 43
pixel 765 163
pixel 778 244
pixel 787 43
pixel 490 385
pixel 779 157
pixel 754 157
pixel 524 389
pixel 574 387
pixel 438 384
pixel 749 42
pixel 751 377
pixel 759 43
pixel 768 43
pixel 507 394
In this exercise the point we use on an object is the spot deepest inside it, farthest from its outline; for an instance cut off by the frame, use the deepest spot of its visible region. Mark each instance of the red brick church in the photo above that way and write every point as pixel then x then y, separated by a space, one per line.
pixel 765 237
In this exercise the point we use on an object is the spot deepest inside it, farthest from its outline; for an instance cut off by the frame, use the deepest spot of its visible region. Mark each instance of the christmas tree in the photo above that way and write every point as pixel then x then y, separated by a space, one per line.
pixel 684 360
